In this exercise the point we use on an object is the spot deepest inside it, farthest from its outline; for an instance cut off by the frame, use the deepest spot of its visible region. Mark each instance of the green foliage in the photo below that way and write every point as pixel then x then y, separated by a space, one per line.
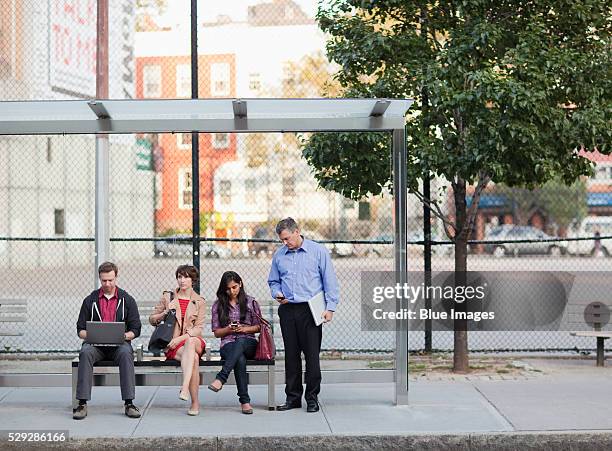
pixel 504 90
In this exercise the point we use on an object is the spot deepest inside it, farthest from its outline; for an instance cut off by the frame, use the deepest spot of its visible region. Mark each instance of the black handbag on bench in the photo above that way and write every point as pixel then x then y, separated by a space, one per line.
pixel 162 335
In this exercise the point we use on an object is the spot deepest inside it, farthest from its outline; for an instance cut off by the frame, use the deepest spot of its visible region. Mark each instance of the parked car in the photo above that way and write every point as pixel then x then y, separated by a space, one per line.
pixel 265 248
pixel 591 226
pixel 512 232
pixel 180 246
pixel 336 249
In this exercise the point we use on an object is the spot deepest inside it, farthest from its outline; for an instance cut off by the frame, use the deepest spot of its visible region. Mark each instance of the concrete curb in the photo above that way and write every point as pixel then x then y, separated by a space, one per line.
pixel 536 440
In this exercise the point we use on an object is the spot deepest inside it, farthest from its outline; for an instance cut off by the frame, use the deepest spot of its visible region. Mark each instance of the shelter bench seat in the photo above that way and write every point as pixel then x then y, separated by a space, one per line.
pixel 601 336
pixel 154 371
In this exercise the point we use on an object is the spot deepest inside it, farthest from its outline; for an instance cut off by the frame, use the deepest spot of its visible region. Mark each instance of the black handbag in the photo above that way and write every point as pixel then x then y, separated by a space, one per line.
pixel 162 335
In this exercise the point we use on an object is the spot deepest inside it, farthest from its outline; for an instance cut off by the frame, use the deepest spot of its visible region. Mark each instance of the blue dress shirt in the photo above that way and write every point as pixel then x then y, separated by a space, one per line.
pixel 302 273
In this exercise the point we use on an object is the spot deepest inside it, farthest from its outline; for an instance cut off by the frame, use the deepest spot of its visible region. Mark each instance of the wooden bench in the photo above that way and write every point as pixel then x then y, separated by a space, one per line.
pixel 13 311
pixel 601 336
pixel 156 371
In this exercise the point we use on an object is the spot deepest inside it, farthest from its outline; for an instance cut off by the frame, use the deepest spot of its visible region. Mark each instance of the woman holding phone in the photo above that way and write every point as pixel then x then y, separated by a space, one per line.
pixel 235 319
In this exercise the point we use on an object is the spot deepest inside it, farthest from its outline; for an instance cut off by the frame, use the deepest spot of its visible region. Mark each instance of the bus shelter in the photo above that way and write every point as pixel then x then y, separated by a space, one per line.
pixel 105 117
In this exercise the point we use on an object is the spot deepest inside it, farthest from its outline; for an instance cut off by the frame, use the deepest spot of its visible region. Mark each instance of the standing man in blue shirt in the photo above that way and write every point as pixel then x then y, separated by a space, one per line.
pixel 301 269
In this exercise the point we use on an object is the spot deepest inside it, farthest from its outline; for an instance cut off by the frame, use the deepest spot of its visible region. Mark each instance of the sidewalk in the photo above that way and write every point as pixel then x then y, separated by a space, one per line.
pixel 569 403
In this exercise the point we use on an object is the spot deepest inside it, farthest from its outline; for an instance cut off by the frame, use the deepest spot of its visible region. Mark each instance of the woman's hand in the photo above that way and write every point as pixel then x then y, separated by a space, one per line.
pixel 244 329
pixel 174 342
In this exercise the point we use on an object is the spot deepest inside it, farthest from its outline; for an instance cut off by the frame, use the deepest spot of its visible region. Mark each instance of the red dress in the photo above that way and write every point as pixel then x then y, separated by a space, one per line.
pixel 171 353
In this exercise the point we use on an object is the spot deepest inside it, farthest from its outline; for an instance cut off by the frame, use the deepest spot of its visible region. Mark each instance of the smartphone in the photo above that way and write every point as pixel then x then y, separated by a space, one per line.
pixel 234 324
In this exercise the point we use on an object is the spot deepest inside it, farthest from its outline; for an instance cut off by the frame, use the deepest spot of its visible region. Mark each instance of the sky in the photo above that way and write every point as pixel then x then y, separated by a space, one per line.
pixel 208 10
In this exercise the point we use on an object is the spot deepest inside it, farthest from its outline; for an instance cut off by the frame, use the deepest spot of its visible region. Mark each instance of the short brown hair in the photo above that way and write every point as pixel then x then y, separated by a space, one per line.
pixel 108 267
pixel 189 271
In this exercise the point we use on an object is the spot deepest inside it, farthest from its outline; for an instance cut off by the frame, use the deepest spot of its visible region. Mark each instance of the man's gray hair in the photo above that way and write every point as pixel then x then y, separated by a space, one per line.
pixel 286 224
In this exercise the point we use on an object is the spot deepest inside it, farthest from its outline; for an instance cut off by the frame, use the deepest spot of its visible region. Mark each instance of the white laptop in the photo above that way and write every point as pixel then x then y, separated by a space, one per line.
pixel 105 334
pixel 317 307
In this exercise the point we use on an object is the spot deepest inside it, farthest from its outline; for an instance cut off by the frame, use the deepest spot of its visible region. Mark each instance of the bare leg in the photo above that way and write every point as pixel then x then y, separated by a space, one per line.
pixel 186 356
pixel 194 384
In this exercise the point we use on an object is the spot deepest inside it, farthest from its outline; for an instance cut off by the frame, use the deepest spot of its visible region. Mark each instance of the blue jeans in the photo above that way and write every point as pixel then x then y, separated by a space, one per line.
pixel 235 355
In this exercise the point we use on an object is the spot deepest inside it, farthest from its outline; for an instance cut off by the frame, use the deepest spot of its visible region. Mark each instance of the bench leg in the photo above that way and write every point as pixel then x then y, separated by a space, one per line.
pixel 600 351
pixel 271 388
pixel 75 379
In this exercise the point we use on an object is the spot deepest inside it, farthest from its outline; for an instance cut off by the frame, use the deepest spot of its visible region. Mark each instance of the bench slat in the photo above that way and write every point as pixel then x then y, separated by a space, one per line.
pixel 13 319
pixel 153 363
pixel 4 301
pixel 13 309
pixel 592 333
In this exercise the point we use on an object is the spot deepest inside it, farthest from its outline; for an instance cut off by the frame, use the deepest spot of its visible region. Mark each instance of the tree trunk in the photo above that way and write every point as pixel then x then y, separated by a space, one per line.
pixel 460 355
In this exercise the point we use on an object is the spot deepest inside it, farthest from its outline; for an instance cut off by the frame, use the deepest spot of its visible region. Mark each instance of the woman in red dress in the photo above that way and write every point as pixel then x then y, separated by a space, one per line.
pixel 187 344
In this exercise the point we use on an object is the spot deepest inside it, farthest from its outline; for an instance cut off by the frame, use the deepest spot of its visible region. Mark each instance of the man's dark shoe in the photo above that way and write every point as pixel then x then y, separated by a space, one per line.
pixel 132 411
pixel 312 407
pixel 288 406
pixel 80 412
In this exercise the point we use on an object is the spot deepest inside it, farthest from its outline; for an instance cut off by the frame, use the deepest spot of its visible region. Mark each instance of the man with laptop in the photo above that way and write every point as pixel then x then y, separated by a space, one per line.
pixel 303 281
pixel 108 322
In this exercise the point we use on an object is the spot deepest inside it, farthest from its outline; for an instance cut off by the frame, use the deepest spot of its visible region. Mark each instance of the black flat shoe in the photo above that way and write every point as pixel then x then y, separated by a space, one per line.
pixel 286 406
pixel 312 407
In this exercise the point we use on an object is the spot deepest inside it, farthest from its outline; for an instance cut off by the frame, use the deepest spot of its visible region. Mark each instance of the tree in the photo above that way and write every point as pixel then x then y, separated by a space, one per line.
pixel 505 91
pixel 565 203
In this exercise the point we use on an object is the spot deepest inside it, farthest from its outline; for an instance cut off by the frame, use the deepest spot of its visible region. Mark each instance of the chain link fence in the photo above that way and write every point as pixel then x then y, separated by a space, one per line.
pixel 246 182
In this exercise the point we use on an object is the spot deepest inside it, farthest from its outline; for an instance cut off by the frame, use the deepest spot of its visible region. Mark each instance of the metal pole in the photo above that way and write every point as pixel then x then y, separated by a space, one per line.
pixel 102 229
pixel 426 206
pixel 427 258
pixel 401 261
pixel 195 143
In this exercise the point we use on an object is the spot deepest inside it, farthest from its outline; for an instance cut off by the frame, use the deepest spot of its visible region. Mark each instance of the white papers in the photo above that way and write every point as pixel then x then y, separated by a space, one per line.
pixel 317 307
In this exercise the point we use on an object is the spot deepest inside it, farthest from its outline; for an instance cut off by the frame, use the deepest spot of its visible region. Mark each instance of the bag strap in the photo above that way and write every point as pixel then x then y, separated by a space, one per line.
pixel 258 316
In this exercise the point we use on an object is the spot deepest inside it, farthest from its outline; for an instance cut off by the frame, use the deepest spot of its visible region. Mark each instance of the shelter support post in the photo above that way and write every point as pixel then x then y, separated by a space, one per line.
pixel 401 261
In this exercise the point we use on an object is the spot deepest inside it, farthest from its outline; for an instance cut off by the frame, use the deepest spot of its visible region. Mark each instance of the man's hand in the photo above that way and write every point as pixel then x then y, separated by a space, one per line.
pixel 280 297
pixel 327 316
pixel 83 334
pixel 129 335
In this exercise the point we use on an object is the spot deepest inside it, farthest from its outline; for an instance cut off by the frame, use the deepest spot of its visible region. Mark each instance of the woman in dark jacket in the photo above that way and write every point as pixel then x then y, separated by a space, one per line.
pixel 235 319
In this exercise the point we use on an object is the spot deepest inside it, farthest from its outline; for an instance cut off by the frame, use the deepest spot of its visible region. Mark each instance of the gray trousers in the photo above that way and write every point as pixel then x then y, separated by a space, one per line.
pixel 122 355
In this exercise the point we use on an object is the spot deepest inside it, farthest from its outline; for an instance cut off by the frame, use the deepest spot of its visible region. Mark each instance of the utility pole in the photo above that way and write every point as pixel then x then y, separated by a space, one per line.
pixel 195 143
pixel 102 226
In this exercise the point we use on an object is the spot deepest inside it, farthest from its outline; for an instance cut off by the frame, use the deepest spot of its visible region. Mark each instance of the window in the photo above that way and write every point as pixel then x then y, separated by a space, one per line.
pixel 185 188
pixel 220 140
pixel 220 79
pixel 151 78
pixel 347 204
pixel 364 211
pixel 183 80
pixel 602 173
pixel 59 217
pixel 225 192
pixel 254 81
pixel 250 194
pixel 289 185
pixel 183 140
